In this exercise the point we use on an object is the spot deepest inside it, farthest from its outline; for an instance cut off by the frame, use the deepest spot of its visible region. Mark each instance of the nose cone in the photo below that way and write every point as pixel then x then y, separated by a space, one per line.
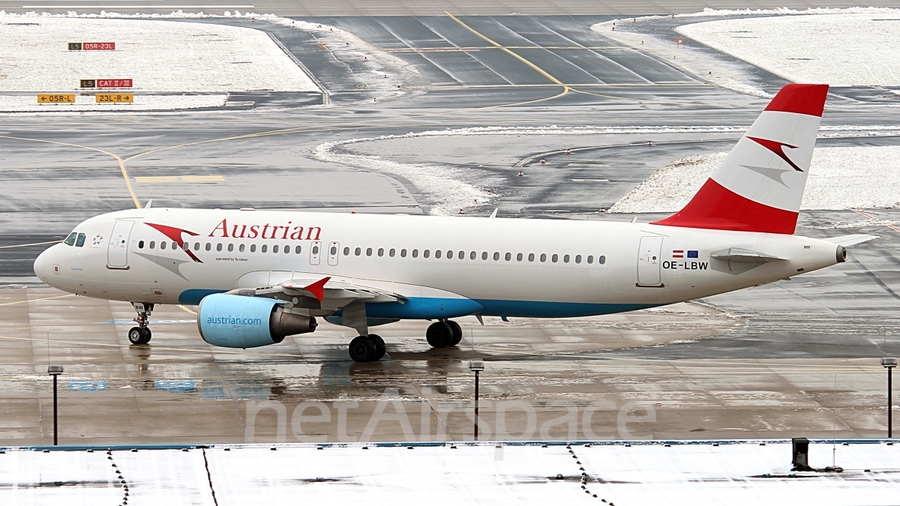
pixel 43 265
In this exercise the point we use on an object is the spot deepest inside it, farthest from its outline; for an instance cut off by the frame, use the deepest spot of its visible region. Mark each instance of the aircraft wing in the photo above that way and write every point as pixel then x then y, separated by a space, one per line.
pixel 335 291
pixel 324 293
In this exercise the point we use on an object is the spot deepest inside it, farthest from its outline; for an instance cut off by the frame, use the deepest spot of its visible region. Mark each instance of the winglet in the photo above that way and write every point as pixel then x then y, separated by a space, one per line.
pixel 318 288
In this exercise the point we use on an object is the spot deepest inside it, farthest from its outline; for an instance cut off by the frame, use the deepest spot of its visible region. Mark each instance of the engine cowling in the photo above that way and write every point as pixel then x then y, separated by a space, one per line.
pixel 236 321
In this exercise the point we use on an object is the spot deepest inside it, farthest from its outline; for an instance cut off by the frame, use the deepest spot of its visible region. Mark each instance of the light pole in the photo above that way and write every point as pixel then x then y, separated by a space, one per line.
pixel 54 370
pixel 476 366
pixel 889 363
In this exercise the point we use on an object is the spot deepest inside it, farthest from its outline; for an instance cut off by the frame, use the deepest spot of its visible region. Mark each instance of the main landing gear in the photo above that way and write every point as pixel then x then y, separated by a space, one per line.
pixel 367 348
pixel 443 333
pixel 440 334
pixel 141 334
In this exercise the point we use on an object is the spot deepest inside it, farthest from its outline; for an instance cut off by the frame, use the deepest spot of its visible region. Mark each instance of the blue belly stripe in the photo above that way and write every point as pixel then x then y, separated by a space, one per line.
pixel 419 308
pixel 192 297
pixel 423 308
pixel 538 309
pixel 426 308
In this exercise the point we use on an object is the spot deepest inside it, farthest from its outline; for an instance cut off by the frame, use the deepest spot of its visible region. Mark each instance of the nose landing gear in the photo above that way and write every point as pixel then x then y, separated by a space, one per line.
pixel 141 334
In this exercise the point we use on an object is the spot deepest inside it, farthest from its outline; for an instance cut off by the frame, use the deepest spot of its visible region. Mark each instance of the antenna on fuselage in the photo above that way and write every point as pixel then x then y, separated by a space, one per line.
pixel 494 214
pixel 147 205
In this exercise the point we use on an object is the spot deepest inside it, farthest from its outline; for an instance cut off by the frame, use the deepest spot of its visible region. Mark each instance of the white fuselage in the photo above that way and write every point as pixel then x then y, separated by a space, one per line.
pixel 513 267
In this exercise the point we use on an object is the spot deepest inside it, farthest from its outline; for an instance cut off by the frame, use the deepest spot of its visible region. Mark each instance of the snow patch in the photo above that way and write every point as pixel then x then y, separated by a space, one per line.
pixel 838 49
pixel 171 56
pixel 444 185
pixel 839 178
pixel 156 55
pixel 835 46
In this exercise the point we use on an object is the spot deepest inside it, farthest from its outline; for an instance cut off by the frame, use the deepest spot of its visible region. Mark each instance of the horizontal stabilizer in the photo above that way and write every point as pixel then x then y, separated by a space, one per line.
pixel 852 240
pixel 744 255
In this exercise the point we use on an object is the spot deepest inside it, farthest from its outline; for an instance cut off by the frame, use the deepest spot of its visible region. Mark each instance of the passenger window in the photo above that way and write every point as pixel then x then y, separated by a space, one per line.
pixel 252 248
pixel 543 257
pixel 196 246
pixel 346 251
pixel 357 251
pixel 590 259
pixel 297 249
pixel 437 253
pixel 473 255
pixel 70 241
pixel 315 250
pixel 219 247
pixel 415 253
pixel 566 259
pixel 186 246
pixel 153 244
pixel 241 248
pixel 140 244
pixel 80 241
pixel 275 249
pixel 264 248
pixel 368 252
pixel 163 244
pixel 334 250
pixel 484 255
pixel 403 253
pixel 287 250
pixel 508 256
pixel 519 257
pixel 577 259
pixel 496 256
pixel 450 254
pixel 381 252
pixel 230 247
pixel 531 257
pixel 601 259
pixel 174 245
pixel 391 252
pixel 426 253
pixel 554 258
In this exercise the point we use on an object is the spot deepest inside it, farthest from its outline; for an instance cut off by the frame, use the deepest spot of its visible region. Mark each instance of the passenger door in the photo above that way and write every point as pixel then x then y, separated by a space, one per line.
pixel 117 251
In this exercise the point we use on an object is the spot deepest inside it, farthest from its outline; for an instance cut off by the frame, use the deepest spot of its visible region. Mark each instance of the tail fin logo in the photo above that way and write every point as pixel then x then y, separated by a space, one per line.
pixel 740 194
pixel 777 148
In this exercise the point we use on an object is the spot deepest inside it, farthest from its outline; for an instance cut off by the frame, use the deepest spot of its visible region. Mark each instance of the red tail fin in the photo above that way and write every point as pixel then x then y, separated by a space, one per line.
pixel 759 185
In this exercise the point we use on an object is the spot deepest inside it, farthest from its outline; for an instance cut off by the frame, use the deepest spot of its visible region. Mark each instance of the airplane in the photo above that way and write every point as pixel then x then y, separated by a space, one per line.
pixel 259 276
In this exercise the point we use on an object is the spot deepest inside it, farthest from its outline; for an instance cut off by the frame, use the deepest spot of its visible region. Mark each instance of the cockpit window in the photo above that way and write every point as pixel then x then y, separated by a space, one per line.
pixel 70 241
pixel 80 241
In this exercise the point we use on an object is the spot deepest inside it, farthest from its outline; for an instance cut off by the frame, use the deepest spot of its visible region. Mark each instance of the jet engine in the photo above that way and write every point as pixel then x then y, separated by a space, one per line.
pixel 236 321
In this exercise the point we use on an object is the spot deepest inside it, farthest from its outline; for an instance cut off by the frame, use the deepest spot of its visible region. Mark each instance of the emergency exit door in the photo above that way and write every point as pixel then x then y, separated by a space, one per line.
pixel 649 261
